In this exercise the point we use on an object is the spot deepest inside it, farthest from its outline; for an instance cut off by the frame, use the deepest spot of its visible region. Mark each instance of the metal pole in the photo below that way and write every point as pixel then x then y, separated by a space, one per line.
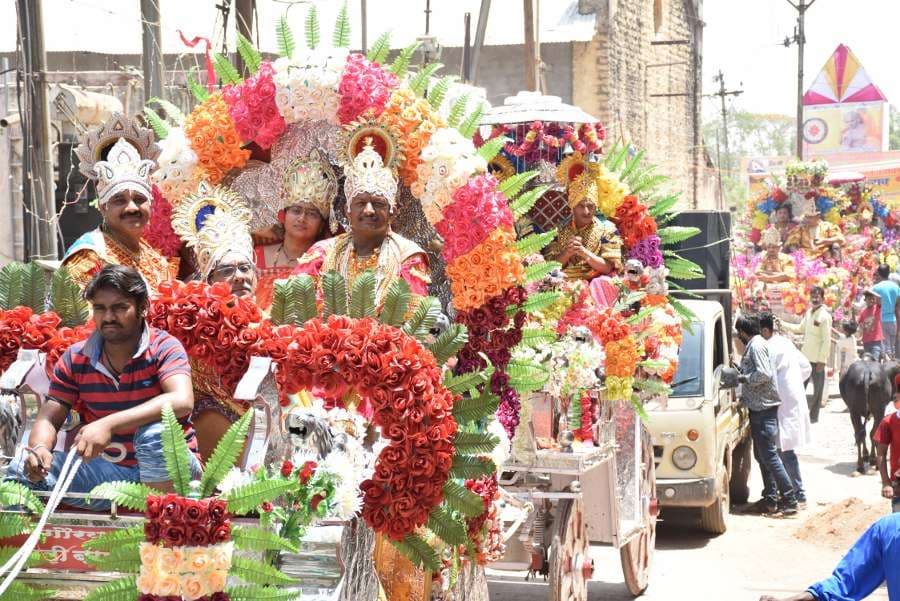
pixel 801 40
pixel 362 12
pixel 480 30
pixel 467 50
pixel 724 121
pixel 37 177
pixel 531 80
pixel 152 50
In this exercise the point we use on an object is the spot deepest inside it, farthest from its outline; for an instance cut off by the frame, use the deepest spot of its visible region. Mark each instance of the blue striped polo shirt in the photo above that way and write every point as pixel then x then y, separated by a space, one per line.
pixel 82 382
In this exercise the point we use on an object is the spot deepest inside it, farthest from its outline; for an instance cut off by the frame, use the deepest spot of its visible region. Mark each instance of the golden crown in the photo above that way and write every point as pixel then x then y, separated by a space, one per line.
pixel 123 169
pixel 310 180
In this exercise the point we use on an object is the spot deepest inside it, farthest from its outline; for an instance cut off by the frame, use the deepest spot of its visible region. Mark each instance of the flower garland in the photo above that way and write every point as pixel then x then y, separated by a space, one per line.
pixel 365 88
pixel 176 175
pixel 485 271
pixel 307 85
pixel 447 163
pixel 415 121
pixel 214 139
pixel 538 135
pixel 478 209
pixel 251 104
pixel 159 233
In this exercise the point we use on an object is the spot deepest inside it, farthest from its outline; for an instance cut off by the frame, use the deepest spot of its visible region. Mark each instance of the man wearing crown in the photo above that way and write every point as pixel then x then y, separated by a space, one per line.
pixel 775 267
pixel 123 188
pixel 370 187
pixel 814 236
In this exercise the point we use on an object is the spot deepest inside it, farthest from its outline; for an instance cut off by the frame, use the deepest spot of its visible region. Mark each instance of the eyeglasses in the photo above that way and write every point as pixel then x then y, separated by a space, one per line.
pixel 227 271
pixel 299 211
pixel 633 272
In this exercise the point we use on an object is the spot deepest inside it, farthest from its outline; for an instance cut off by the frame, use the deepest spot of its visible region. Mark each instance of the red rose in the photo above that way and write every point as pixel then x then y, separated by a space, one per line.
pixel 286 468
pixel 198 537
pixel 154 507
pixel 172 508
pixel 314 502
pixel 194 512
pixel 217 510
pixel 221 534
pixel 174 535
pixel 151 532
pixel 266 507
pixel 307 471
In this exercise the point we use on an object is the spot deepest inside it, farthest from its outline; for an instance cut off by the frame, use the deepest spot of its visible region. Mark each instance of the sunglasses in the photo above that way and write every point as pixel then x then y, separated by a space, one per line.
pixel 228 271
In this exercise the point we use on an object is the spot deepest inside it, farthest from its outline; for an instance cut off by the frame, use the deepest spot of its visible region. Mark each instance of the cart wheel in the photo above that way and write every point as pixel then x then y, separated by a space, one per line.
pixel 571 566
pixel 637 555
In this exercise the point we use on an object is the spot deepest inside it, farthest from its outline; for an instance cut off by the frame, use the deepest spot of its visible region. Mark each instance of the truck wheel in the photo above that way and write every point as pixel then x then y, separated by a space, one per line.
pixel 741 461
pixel 714 519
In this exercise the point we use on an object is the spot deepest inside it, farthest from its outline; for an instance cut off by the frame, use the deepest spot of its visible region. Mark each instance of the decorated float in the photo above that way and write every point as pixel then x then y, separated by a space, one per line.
pixel 385 442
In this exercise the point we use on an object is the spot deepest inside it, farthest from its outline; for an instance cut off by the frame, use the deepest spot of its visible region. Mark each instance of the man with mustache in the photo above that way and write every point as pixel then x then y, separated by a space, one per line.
pixel 115 384
pixel 123 188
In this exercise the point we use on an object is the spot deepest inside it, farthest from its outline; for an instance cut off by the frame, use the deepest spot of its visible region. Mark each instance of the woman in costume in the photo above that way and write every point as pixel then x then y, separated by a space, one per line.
pixel 119 158
pixel 370 187
pixel 214 223
pixel 307 196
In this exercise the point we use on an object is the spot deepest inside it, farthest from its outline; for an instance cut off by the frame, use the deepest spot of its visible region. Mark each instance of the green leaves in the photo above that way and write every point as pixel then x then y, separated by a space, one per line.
pixel 125 559
pixel 34 292
pixel 247 497
pixel 439 92
pixel 462 499
pixel 132 495
pixel 419 83
pixel 362 297
pixel 452 532
pixel 18 591
pixel 250 55
pixel 468 127
pixel 225 70
pixel 512 185
pixel 475 443
pixel 466 467
pixel 157 123
pixel 116 538
pixel 123 589
pixel 341 36
pixel 285 37
pixel 311 27
pixel 676 233
pixel 537 337
pixel 256 572
pixel 663 205
pixel 448 343
pixel 526 376
pixel 401 64
pixel 294 301
pixel 424 318
pixel 255 592
pixel 13 493
pixel 467 381
pixel 225 454
pixel 172 112
pixel 396 303
pixel 521 205
pixel 475 408
pixel 492 148
pixel 251 538
pixel 539 271
pixel 175 451
pixel 199 92
pixel 457 110
pixel 533 243
pixel 12 524
pixel 682 269
pixel 334 289
pixel 419 552
pixel 539 300
pixel 280 312
pixel 12 283
pixel 380 49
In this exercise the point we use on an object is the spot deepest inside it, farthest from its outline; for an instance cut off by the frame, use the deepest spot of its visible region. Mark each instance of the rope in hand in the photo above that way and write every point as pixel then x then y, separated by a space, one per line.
pixel 16 562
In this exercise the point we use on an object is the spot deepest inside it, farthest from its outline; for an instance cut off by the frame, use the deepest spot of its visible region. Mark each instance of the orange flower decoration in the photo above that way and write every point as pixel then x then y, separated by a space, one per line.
pixel 415 121
pixel 621 357
pixel 212 135
pixel 485 271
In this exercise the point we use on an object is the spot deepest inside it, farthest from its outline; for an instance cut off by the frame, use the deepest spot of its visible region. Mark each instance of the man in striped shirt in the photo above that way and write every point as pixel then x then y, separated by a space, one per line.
pixel 118 382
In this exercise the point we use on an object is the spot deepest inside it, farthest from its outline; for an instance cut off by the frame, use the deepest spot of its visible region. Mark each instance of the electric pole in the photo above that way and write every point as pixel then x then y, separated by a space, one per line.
pixel 37 169
pixel 152 56
pixel 243 15
pixel 800 39
pixel 722 93
pixel 532 78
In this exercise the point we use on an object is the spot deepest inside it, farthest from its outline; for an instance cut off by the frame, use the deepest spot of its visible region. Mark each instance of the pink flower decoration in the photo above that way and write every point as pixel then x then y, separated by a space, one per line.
pixel 365 86
pixel 252 106
pixel 478 208
pixel 159 233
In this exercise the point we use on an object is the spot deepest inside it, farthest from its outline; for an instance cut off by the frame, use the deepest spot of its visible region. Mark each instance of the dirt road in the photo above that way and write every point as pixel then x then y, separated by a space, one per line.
pixel 757 555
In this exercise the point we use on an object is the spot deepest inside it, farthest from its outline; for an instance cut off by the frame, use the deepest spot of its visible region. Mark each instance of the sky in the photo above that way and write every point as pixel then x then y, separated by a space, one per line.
pixel 744 40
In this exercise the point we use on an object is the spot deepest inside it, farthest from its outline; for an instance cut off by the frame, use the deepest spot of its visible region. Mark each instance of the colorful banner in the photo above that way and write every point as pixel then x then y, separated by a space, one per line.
pixel 845 127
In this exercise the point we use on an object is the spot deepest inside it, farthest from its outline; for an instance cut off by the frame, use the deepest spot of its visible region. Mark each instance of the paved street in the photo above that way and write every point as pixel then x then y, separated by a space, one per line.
pixel 756 555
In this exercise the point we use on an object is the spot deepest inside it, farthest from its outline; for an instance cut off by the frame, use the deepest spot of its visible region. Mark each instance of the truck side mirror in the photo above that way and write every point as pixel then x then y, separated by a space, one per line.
pixel 729 378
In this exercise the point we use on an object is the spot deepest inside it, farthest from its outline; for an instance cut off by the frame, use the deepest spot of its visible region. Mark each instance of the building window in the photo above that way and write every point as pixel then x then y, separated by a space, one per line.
pixel 657 15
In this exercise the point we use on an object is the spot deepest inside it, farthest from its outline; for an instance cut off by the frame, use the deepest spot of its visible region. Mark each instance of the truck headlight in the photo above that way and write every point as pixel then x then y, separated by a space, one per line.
pixel 684 458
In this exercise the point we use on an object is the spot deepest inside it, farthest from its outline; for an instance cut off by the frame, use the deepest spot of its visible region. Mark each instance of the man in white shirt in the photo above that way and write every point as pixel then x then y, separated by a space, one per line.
pixel 791 369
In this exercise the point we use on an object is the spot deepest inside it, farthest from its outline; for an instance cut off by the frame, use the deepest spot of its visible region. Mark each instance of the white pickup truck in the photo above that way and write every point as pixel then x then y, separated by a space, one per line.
pixel 701 440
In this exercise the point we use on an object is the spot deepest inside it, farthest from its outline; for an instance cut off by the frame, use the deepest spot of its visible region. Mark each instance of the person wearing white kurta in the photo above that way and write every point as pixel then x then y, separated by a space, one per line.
pixel 791 369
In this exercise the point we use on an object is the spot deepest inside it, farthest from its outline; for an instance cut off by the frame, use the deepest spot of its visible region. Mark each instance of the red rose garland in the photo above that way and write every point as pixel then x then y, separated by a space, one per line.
pixel 176 521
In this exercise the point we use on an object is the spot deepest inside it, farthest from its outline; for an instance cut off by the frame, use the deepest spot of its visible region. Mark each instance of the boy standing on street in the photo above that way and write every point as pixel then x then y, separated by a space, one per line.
pixel 870 324
pixel 887 437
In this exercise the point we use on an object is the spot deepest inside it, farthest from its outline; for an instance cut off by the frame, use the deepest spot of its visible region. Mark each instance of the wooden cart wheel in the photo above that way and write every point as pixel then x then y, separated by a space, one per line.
pixel 637 555
pixel 571 566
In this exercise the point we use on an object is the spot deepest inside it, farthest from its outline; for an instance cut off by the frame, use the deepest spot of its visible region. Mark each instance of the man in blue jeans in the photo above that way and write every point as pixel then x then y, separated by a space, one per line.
pixel 759 395
pixel 889 292
pixel 117 381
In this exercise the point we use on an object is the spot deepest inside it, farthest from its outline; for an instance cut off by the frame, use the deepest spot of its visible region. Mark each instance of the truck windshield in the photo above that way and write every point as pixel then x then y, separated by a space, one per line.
pixel 688 380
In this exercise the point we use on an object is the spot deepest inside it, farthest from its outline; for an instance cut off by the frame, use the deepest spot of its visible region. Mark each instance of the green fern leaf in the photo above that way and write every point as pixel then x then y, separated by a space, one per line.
pixel 534 243
pixel 475 443
pixel 648 183
pixel 401 64
pixel 280 313
pixel 652 386
pixel 160 127
pixel 311 28
pixel 175 451
pixel 448 343
pixel 341 36
pixel 452 532
pixel 247 497
pixel 539 300
pixel 199 92
pixel 676 233
pixel 379 51
pixel 124 558
pixel 13 525
pixel 123 589
pixel 419 83
pixel 334 291
pixel 687 315
pixel 439 91
pixel 537 337
pixel 250 55
pixel 19 591
pixel 285 37
pixel 225 70
pixel 682 269
pixel 631 165
pixel 527 376
pixel 230 447
pixel 10 285
pixel 475 408
pixel 66 299
pixel 396 303
pixel 303 295
pixel 34 291
pixel 16 494
pixel 468 127
pixel 257 572
pixel 467 467
pixel 251 538
pixel 254 592
pixel 7 552
pixel 467 381
pixel 526 201
pixel 617 156
pixel 663 205
pixel 424 317
pixel 116 538
pixel 419 552
pixel 511 186
pixel 457 110
pixel 132 495
pixel 539 271
pixel 362 297
pixel 172 112
pixel 490 149
pixel 462 499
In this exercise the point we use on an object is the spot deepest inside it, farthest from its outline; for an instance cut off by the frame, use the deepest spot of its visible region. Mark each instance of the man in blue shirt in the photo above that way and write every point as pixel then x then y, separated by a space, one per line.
pixel 870 562
pixel 889 291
